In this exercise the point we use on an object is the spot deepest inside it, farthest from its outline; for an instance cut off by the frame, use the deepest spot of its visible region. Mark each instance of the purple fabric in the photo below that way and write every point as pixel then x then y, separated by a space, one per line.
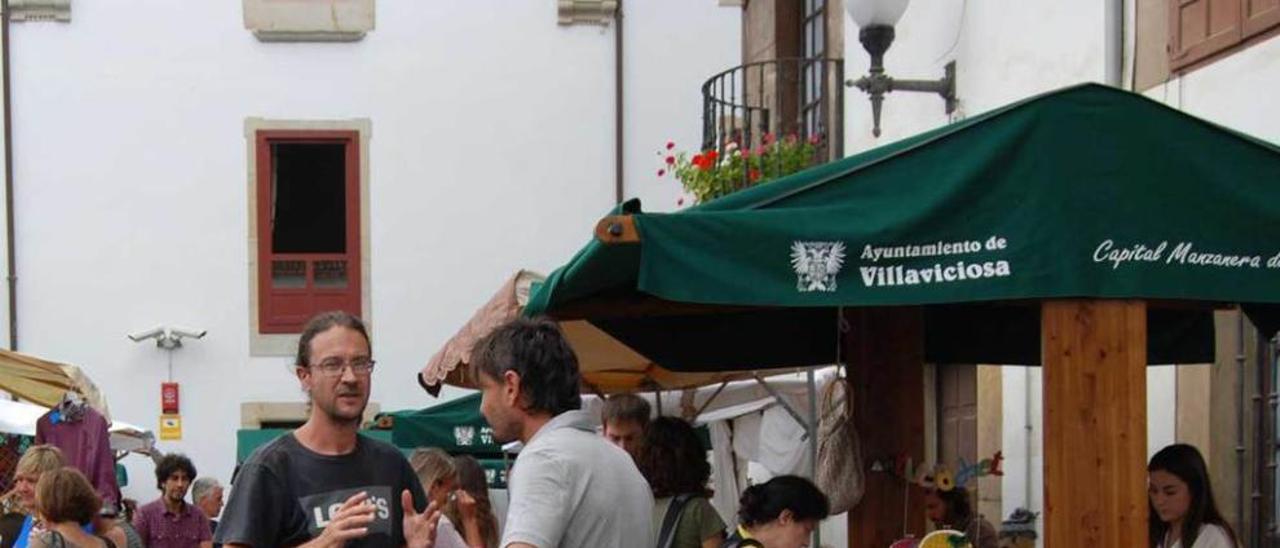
pixel 160 528
pixel 87 446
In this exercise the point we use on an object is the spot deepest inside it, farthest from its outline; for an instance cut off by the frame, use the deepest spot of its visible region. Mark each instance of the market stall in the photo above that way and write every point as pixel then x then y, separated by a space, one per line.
pixel 1087 230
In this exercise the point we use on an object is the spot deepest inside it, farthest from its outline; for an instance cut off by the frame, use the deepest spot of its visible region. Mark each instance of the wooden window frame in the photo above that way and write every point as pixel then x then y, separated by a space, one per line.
pixel 1247 25
pixel 350 298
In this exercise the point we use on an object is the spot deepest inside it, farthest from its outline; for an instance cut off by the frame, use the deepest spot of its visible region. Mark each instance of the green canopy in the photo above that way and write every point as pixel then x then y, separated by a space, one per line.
pixel 455 426
pixel 1087 191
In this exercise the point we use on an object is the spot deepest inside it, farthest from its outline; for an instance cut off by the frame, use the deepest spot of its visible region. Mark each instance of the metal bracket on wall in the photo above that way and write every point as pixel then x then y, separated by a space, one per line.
pixel 597 12
pixel 40 10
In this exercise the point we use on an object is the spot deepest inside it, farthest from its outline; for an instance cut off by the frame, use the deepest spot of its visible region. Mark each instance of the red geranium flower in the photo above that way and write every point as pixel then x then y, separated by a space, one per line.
pixel 662 172
pixel 671 145
pixel 671 160
pixel 711 155
pixel 753 175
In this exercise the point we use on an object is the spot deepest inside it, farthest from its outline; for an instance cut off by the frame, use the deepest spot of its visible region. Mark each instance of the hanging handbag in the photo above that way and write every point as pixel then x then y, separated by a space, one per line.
pixel 840 473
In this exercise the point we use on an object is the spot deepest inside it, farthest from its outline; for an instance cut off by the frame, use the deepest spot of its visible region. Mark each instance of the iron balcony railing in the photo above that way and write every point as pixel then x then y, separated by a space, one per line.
pixel 782 97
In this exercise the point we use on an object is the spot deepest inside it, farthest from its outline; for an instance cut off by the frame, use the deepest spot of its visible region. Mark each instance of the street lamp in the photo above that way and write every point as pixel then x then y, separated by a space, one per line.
pixel 876 19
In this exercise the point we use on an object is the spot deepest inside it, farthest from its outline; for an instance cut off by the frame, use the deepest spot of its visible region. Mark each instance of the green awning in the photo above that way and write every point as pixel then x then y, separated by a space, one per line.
pixel 1087 191
pixel 455 426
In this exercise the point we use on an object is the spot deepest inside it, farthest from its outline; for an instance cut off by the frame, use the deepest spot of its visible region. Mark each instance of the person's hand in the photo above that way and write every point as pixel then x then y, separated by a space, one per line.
pixel 350 521
pixel 466 504
pixel 419 529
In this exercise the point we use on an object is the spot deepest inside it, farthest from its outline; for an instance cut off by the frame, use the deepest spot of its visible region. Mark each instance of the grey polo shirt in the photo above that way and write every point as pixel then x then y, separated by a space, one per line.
pixel 570 488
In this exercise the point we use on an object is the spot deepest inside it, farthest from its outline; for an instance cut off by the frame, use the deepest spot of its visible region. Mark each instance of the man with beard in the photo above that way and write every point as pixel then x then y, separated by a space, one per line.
pixel 570 488
pixel 324 485
pixel 169 522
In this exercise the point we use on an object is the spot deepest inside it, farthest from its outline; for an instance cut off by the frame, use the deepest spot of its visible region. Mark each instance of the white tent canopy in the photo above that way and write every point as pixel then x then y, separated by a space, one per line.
pixel 20 418
pixel 748 423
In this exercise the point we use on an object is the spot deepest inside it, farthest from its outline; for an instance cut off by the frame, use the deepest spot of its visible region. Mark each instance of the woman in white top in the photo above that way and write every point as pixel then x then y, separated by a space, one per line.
pixel 1183 513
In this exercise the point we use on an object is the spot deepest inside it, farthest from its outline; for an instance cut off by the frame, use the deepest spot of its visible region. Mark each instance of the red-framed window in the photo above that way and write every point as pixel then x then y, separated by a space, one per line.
pixel 308 213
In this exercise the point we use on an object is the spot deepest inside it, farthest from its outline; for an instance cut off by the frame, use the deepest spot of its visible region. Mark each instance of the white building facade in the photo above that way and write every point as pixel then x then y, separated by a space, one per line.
pixel 480 138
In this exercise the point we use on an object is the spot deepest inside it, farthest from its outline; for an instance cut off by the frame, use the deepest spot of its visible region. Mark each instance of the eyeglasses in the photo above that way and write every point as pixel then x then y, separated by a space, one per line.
pixel 333 367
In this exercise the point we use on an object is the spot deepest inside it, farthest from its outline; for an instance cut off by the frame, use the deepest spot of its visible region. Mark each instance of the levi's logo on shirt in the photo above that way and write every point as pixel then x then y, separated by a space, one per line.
pixel 321 507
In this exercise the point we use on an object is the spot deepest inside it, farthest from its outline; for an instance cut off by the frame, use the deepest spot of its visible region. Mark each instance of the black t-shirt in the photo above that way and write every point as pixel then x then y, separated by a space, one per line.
pixel 285 494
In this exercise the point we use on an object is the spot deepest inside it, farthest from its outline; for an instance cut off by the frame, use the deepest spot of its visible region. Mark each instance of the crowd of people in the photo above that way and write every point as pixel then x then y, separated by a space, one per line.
pixel 640 483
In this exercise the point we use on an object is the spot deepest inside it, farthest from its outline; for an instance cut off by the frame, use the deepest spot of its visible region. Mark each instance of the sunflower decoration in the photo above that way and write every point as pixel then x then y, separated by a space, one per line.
pixel 945 538
pixel 943 480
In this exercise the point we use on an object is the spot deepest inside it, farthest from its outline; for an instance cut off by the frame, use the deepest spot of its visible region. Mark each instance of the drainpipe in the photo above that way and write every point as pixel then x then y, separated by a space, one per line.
pixel 617 105
pixel 1114 45
pixel 8 177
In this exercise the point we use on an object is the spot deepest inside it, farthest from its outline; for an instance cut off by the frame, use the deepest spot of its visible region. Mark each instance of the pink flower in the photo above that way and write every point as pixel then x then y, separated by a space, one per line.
pixel 671 145
pixel 815 139
pixel 662 172
pixel 671 160
pixel 769 138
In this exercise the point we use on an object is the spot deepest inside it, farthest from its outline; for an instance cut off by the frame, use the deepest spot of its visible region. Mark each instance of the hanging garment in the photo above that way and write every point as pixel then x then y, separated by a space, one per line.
pixel 85 444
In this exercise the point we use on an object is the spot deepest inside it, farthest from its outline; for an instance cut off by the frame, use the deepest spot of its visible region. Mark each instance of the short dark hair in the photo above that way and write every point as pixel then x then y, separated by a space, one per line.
pixel 763 503
pixel 537 350
pixel 171 463
pixel 64 495
pixel 673 459
pixel 323 322
pixel 625 407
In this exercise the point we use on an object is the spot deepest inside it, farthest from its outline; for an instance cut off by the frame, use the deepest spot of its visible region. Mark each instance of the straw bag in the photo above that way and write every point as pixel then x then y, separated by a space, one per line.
pixel 840 473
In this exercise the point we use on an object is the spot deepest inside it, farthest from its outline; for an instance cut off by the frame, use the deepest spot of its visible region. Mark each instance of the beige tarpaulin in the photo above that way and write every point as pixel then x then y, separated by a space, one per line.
pixel 45 383
pixel 608 366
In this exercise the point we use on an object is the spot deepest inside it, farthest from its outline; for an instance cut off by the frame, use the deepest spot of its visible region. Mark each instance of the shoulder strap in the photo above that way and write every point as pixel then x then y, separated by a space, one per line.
pixel 667 535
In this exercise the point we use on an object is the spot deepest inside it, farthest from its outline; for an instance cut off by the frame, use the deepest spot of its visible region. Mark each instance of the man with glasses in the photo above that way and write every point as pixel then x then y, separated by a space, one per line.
pixel 323 485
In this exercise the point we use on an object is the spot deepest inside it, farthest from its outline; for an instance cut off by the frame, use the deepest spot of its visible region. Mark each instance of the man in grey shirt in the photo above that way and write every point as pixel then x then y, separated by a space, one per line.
pixel 569 488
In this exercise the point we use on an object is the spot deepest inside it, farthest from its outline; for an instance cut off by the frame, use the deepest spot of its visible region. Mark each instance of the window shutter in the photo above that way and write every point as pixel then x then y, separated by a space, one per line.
pixel 1200 28
pixel 1260 16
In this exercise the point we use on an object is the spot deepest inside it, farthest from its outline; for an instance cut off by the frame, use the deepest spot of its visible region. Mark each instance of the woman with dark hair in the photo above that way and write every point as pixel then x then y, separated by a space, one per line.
pixel 779 513
pixel 1182 511
pixel 952 510
pixel 673 460
pixel 67 504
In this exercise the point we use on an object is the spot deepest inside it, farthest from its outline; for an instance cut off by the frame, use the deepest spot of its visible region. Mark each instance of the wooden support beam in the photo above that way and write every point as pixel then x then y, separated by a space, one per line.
pixel 885 352
pixel 1095 422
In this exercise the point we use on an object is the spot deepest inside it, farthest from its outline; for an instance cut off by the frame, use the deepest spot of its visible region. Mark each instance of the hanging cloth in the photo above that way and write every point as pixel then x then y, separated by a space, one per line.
pixel 81 433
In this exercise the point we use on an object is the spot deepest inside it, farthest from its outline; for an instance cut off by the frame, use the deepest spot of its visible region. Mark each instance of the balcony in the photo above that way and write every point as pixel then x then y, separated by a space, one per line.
pixel 782 97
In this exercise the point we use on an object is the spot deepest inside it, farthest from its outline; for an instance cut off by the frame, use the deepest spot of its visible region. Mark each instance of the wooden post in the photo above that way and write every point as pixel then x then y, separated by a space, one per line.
pixel 1095 423
pixel 885 352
